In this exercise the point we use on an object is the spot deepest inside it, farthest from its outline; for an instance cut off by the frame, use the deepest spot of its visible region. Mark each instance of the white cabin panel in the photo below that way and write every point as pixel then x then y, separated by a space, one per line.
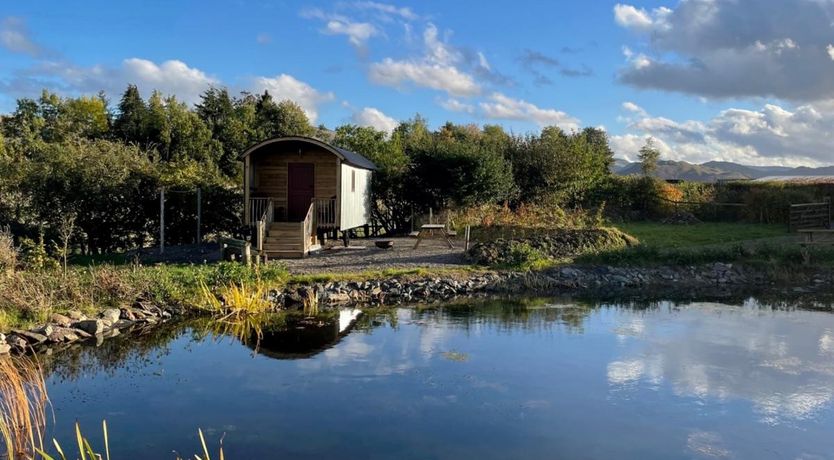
pixel 355 197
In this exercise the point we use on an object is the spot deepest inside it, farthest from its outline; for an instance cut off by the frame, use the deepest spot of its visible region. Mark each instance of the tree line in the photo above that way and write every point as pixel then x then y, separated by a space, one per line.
pixel 101 166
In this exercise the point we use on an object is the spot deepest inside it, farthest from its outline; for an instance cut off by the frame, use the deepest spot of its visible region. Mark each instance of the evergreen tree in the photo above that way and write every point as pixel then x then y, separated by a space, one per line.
pixel 130 123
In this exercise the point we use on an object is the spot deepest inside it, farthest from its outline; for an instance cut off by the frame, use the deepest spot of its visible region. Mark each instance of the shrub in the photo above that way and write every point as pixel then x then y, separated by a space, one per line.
pixel 633 197
pixel 524 216
pixel 35 255
pixel 530 251
pixel 525 257
pixel 8 253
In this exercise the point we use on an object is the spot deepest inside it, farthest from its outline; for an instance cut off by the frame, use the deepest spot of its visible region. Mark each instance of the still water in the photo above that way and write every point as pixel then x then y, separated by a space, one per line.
pixel 494 379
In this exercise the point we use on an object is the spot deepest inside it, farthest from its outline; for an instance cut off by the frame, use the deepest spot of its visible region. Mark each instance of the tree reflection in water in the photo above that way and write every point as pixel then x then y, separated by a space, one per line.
pixel 294 336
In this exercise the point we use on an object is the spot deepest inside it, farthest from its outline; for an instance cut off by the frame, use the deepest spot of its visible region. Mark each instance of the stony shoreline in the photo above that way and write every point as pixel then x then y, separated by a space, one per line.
pixel 559 280
pixel 75 327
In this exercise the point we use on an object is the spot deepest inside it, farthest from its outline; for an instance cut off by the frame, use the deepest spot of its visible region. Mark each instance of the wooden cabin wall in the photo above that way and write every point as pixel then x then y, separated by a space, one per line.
pixel 270 172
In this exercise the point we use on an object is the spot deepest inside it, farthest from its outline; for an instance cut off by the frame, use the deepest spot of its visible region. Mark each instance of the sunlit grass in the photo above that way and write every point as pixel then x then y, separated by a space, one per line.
pixel 664 236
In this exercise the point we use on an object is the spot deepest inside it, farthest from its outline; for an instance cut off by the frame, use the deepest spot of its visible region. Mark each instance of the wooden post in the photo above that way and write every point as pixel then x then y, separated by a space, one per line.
pixel 162 220
pixel 247 165
pixel 431 217
pixel 199 215
pixel 466 239
pixel 247 253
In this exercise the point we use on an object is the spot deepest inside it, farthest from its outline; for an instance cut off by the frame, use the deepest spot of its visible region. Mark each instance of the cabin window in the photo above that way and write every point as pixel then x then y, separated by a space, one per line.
pixel 352 181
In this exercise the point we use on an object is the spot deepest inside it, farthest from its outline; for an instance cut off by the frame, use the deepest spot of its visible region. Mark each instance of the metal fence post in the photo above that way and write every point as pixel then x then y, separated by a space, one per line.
pixel 162 220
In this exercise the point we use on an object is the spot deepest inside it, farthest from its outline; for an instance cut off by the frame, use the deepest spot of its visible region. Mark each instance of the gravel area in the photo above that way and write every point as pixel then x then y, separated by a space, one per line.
pixel 364 255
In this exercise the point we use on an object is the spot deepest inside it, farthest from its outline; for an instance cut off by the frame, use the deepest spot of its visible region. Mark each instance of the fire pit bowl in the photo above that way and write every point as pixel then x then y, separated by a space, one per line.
pixel 384 244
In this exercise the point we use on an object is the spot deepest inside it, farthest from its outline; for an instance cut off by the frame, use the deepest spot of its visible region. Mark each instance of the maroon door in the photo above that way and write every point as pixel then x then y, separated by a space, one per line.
pixel 301 188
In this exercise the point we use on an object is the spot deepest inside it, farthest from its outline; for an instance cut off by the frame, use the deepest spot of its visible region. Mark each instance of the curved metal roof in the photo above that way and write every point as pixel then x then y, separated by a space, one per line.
pixel 351 158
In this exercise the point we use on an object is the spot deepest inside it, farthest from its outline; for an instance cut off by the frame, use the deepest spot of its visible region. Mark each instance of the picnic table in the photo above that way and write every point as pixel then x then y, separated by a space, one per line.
pixel 430 229
pixel 815 237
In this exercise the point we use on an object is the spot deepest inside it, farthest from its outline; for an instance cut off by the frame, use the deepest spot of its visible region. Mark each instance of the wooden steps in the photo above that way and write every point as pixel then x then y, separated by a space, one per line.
pixel 285 240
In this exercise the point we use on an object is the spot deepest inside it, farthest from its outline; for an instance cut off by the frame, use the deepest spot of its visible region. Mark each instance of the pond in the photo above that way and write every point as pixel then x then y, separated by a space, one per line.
pixel 499 379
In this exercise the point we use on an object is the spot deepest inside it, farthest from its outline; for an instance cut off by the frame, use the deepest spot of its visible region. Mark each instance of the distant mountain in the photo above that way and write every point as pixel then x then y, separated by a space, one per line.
pixel 712 171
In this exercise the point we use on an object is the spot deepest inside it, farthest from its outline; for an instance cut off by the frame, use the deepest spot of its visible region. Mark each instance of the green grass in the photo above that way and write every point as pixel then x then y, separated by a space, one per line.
pixel 663 236
pixel 27 298
pixel 705 243
pixel 85 260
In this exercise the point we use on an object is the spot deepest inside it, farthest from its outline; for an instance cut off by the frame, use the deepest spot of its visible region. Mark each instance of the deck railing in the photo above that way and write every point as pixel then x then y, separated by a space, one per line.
pixel 257 207
pixel 262 223
pixel 325 212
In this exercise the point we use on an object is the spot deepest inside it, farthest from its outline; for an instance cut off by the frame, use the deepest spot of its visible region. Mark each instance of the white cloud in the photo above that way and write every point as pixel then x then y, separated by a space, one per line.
pixel 285 86
pixel 440 68
pixel 482 61
pixel 631 17
pixel 391 10
pixel 730 49
pixel 770 135
pixel 438 51
pixel 358 33
pixel 633 108
pixel 169 77
pixel 454 105
pixel 435 76
pixel 374 118
pixel 830 49
pixel 14 36
pixel 506 108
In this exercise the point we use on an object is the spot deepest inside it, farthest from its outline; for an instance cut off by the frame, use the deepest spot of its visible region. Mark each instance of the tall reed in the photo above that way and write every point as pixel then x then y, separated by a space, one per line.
pixel 23 401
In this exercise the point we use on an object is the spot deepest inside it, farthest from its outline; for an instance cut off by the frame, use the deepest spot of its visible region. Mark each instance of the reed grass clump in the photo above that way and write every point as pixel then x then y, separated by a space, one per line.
pixel 23 402
pixel 236 301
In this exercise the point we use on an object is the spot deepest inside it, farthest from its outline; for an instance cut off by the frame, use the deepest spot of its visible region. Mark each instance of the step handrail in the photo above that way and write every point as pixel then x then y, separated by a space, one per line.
pixel 309 225
pixel 262 224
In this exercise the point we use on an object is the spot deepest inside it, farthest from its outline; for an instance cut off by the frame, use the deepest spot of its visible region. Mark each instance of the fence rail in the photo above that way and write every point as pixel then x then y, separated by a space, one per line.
pixel 810 215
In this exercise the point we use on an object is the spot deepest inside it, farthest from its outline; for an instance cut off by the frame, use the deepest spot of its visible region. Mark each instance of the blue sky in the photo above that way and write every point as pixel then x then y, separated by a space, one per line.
pixel 742 80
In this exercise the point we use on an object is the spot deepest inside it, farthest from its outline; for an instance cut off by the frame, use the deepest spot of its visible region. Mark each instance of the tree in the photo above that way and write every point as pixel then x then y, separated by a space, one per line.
pixel 130 123
pixel 85 117
pixel 649 156
pixel 109 186
pixel 285 118
pixel 231 122
pixel 446 171
pixel 559 167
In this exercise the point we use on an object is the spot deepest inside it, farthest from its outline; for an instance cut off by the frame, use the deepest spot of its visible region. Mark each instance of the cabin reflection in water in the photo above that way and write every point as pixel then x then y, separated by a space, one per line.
pixel 304 341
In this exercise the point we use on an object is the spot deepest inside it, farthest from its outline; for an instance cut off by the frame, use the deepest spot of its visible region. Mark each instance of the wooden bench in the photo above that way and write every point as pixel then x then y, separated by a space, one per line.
pixel 229 247
pixel 430 229
pixel 812 237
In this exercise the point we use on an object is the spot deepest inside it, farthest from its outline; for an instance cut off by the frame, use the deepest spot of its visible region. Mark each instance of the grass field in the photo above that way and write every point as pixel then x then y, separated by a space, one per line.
pixel 663 236
pixel 753 244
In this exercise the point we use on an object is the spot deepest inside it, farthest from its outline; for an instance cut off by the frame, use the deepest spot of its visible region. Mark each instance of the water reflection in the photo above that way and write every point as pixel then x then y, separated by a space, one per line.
pixel 778 360
pixel 539 378
pixel 302 339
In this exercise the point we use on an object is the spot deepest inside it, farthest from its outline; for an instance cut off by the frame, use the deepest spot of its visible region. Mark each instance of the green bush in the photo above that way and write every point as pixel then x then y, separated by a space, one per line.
pixel 555 244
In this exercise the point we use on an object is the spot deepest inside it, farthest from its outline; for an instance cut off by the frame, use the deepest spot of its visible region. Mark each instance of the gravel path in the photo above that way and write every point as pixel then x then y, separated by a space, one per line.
pixel 364 255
